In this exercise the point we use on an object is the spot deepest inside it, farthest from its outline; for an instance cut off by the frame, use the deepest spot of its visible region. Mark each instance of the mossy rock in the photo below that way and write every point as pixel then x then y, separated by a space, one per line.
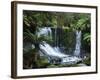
pixel 87 61
pixel 42 62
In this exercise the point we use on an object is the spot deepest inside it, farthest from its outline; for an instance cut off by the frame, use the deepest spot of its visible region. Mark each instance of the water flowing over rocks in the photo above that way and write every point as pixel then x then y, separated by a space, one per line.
pixel 55 51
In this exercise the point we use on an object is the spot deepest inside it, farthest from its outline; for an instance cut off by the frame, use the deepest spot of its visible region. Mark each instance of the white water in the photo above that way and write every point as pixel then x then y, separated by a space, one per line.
pixel 46 31
pixel 55 52
pixel 56 41
pixel 49 50
pixel 78 43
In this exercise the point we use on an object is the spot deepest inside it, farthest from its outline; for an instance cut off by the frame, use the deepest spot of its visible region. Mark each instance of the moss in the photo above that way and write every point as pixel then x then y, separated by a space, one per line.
pixel 42 62
pixel 87 61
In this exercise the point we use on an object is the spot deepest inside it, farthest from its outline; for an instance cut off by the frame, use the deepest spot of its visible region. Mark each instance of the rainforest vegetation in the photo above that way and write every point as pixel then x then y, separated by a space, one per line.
pixel 43 30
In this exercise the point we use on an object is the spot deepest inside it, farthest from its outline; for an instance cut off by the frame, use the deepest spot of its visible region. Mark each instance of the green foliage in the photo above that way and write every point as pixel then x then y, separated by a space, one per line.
pixel 40 19
pixel 30 36
pixel 45 38
pixel 33 20
pixel 87 61
pixel 34 38
pixel 42 62
pixel 70 21
pixel 81 21
pixel 29 57
pixel 87 37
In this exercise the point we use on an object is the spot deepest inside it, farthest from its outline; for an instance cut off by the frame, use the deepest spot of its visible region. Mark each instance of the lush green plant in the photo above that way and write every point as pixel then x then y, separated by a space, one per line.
pixel 87 37
pixel 29 58
pixel 70 22
pixel 42 62
pixel 87 61
pixel 29 35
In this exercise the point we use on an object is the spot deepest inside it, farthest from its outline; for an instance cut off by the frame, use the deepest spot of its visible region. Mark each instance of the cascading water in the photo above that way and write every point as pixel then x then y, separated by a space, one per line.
pixel 46 31
pixel 55 51
pixel 56 41
pixel 78 43
pixel 51 51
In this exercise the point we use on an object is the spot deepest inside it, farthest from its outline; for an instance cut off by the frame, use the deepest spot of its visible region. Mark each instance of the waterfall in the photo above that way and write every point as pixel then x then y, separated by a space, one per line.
pixel 55 52
pixel 58 36
pixel 46 31
pixel 51 51
pixel 55 37
pixel 78 43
